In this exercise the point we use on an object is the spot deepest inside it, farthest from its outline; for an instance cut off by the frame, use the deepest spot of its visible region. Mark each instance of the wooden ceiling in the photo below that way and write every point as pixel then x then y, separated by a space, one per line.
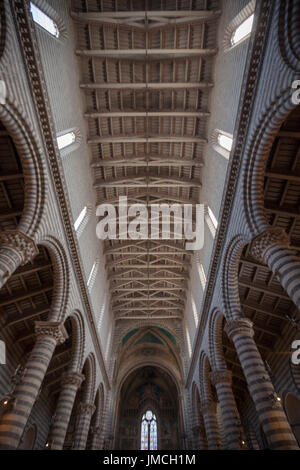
pixel 263 300
pixel 146 71
pixel 26 297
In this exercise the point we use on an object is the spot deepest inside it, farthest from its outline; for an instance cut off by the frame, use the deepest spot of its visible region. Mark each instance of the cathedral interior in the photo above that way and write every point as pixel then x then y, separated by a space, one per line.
pixel 144 343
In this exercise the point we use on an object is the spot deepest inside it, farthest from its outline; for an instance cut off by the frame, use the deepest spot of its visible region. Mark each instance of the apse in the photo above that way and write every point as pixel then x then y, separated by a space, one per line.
pixel 149 416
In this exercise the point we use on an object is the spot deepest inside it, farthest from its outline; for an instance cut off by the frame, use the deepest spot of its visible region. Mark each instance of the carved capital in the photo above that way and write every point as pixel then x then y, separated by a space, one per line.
pixel 196 430
pixel 51 329
pixel 72 378
pixel 221 376
pixel 208 407
pixel 86 409
pixel 266 240
pixel 238 326
pixel 21 243
pixel 96 430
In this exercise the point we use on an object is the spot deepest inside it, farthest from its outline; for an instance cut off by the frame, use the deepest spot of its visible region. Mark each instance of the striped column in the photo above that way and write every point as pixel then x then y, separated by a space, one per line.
pixel 70 383
pixel 83 420
pixel 96 438
pixel 222 380
pixel 12 424
pixel 272 248
pixel 199 442
pixel 269 409
pixel 208 410
pixel 16 249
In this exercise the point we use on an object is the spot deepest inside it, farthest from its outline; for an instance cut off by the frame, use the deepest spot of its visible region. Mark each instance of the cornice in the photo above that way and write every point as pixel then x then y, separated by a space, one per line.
pixel 34 69
pixel 252 69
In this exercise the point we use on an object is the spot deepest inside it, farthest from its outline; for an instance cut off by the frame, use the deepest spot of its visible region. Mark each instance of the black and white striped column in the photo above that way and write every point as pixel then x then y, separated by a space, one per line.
pixel 199 441
pixel 16 249
pixel 70 383
pixel 96 433
pixel 12 423
pixel 83 420
pixel 272 248
pixel 269 409
pixel 222 379
pixel 208 411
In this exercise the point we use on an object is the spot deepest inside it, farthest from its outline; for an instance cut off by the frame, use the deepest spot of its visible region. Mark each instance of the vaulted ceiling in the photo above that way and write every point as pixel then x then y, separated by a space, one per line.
pixel 147 75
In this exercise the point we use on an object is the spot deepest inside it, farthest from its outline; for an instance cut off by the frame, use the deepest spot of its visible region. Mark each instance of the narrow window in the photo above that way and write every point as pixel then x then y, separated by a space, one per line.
pixel 80 218
pixel 92 276
pixel 65 140
pixel 242 31
pixel 211 221
pixel 43 20
pixel 149 431
pixel 225 141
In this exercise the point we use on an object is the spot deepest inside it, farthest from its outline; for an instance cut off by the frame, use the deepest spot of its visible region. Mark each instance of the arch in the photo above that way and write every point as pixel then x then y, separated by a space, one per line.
pixel 88 386
pixel 29 438
pixel 257 154
pixel 2 27
pixel 291 405
pixel 78 341
pixel 204 379
pixel 142 325
pixel 215 342
pixel 30 155
pixel 61 290
pixel 287 13
pixel 230 288
pixel 145 398
pixel 99 403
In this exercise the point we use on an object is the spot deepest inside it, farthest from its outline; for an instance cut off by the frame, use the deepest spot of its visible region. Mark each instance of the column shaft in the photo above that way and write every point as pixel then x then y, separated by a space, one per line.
pixel 14 421
pixel 83 421
pixel 208 410
pixel 70 384
pixel 229 415
pixel 269 409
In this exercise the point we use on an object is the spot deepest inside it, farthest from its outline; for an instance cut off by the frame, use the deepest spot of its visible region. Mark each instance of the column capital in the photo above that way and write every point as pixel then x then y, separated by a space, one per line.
pixel 96 430
pixel 208 407
pixel 221 376
pixel 72 378
pixel 266 240
pixel 238 326
pixel 24 245
pixel 86 409
pixel 197 430
pixel 52 329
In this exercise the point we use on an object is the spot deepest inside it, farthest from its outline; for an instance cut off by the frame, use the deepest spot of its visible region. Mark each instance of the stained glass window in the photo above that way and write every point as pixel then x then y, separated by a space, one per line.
pixel 149 431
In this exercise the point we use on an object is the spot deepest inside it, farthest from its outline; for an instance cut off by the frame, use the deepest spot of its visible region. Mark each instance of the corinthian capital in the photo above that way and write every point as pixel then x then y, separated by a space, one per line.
pixel 266 240
pixel 24 246
pixel 51 329
pixel 208 407
pixel 72 378
pixel 238 326
pixel 221 376
pixel 95 430
pixel 86 409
